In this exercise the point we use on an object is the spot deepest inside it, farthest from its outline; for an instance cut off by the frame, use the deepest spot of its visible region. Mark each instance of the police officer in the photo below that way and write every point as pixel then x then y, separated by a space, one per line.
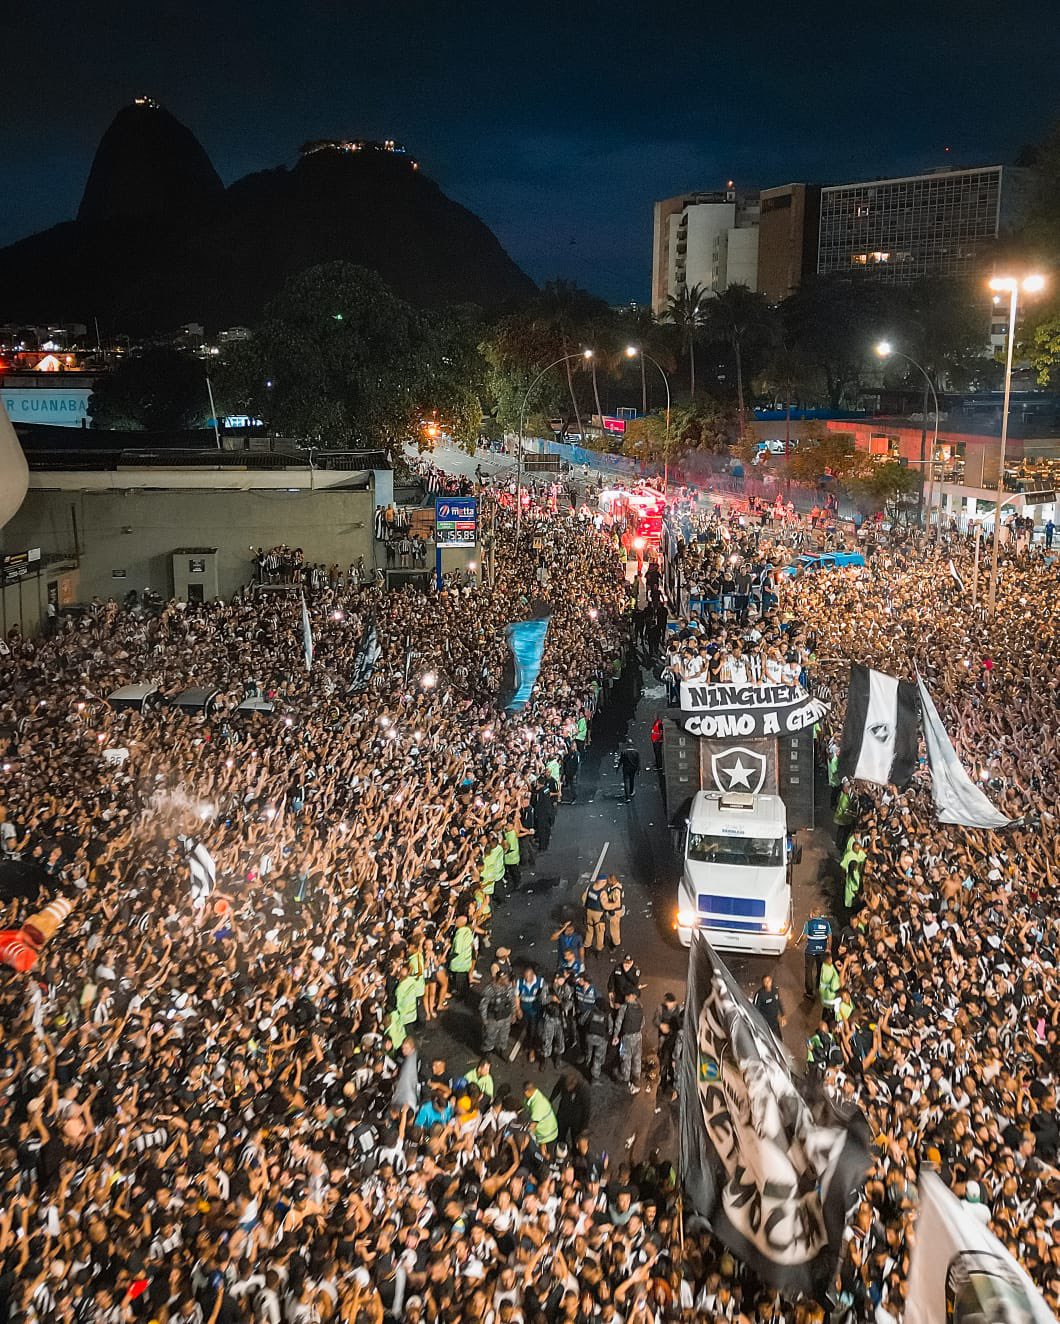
pixel 613 901
pixel 817 935
pixel 552 1038
pixel 668 1021
pixel 596 1032
pixel 627 1033
pixel 585 999
pixel 497 1008
pixel 769 1005
pixel 593 900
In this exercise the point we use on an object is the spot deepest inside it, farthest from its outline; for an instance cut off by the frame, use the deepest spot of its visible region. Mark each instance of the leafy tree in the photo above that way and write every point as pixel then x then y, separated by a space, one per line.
pixel 160 390
pixel 559 322
pixel 832 453
pixel 743 320
pixel 1043 347
pixel 833 323
pixel 942 324
pixel 879 484
pixel 341 361
pixel 687 311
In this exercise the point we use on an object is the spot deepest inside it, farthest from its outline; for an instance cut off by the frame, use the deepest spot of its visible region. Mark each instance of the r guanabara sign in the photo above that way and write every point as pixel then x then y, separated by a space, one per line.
pixel 747 710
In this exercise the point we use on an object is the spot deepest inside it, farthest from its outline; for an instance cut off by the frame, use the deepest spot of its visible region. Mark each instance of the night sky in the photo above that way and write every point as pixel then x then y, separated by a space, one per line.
pixel 558 124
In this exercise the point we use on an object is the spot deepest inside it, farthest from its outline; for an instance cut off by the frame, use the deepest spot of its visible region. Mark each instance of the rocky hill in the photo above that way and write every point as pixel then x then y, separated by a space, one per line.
pixel 159 241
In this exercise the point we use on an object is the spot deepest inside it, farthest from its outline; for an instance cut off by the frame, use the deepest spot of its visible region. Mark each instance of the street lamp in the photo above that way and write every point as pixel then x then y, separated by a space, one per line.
pixel 886 351
pixel 1010 285
pixel 582 354
pixel 631 353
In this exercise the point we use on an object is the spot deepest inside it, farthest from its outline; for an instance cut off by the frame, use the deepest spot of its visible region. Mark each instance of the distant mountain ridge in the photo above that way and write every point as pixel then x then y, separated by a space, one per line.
pixel 159 241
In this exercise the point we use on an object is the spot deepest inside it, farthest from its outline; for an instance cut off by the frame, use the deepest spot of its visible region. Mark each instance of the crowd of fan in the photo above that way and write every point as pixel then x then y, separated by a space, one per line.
pixel 211 1107
pixel 949 1027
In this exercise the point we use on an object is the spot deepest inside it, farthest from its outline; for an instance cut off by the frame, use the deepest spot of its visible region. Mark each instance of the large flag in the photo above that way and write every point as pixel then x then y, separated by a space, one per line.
pixel 960 1272
pixel 880 732
pixel 773 1175
pixel 526 646
pixel 368 653
pixel 202 868
pixel 957 798
pixel 307 636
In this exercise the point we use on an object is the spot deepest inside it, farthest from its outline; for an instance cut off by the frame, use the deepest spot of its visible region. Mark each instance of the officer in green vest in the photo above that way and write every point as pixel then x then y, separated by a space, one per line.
pixel 492 870
pixel 407 1000
pixel 581 732
pixel 543 1125
pixel 852 864
pixel 834 779
pixel 829 985
pixel 512 858
pixel 396 1030
pixel 846 814
pixel 461 957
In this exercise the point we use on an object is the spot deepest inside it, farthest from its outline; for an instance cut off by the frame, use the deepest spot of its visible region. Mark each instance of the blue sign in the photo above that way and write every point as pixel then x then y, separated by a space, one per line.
pixel 456 521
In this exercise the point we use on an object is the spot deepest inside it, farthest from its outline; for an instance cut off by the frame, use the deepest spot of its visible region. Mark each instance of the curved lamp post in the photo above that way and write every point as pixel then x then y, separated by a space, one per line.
pixel 632 351
pixel 565 358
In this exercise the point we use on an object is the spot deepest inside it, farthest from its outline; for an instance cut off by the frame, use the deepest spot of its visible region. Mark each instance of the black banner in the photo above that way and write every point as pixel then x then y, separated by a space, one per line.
pixel 773 1175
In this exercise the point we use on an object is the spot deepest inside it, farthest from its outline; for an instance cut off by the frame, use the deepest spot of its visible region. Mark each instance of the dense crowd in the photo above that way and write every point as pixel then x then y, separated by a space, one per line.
pixel 213 1104
pixel 947 958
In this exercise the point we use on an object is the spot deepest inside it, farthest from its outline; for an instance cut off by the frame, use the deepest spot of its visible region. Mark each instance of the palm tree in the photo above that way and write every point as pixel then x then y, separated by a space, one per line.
pixel 738 316
pixel 687 310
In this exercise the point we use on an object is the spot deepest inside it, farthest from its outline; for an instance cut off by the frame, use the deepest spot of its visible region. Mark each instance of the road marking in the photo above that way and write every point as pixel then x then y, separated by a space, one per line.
pixel 596 872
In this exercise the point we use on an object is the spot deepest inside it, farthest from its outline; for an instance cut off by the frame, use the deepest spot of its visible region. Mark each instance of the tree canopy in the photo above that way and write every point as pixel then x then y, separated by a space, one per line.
pixel 341 361
pixel 159 390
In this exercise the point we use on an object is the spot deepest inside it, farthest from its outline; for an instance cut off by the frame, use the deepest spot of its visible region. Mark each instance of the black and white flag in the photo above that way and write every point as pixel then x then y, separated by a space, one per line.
pixel 203 871
pixel 368 654
pixel 773 1175
pixel 960 1271
pixel 880 732
pixel 307 637
pixel 957 798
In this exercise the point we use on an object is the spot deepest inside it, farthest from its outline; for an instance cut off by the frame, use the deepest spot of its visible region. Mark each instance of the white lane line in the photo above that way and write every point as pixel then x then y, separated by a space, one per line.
pixel 596 872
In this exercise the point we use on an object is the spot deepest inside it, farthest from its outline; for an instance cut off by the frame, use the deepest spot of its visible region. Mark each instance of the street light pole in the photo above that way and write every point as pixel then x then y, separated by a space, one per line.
pixel 1010 285
pixel 631 352
pixel 887 351
pixel 584 354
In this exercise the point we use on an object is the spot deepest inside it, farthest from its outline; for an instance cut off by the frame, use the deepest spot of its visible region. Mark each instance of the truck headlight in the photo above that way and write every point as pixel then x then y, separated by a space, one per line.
pixel 779 928
pixel 686 919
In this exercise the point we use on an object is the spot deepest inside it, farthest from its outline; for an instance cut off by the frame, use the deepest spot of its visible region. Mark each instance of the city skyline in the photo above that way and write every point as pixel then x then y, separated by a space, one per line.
pixel 572 162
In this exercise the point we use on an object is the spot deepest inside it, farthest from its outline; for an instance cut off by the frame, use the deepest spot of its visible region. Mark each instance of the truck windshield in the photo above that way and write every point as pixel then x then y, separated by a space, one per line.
pixel 755 852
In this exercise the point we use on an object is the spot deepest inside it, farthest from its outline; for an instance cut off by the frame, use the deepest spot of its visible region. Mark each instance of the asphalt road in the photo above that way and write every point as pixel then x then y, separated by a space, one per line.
pixel 639 849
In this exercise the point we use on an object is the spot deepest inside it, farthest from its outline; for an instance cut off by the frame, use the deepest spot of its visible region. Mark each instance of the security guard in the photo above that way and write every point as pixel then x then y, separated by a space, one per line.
pixel 543 1125
pixel 852 864
pixel 593 900
pixel 817 935
pixel 613 900
pixel 829 985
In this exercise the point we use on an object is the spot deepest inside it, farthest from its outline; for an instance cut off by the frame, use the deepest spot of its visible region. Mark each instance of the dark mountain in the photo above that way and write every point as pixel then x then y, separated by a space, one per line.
pixel 148 164
pixel 140 261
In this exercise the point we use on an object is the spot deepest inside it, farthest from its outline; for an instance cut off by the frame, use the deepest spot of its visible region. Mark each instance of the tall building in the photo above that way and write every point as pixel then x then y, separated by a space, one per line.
pixel 787 237
pixel 937 224
pixel 707 239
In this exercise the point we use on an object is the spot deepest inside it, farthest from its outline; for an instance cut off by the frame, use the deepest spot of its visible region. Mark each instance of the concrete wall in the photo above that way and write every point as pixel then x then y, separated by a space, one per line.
pixel 741 266
pixel 330 526
pixel 22 602
pixel 706 220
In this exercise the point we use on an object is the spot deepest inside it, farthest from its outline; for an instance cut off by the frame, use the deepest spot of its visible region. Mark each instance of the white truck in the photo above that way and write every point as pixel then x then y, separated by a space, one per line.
pixel 736 883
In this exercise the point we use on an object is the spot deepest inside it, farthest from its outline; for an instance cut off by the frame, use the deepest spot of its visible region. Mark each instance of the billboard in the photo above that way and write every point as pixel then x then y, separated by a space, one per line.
pixel 65 407
pixel 456 521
